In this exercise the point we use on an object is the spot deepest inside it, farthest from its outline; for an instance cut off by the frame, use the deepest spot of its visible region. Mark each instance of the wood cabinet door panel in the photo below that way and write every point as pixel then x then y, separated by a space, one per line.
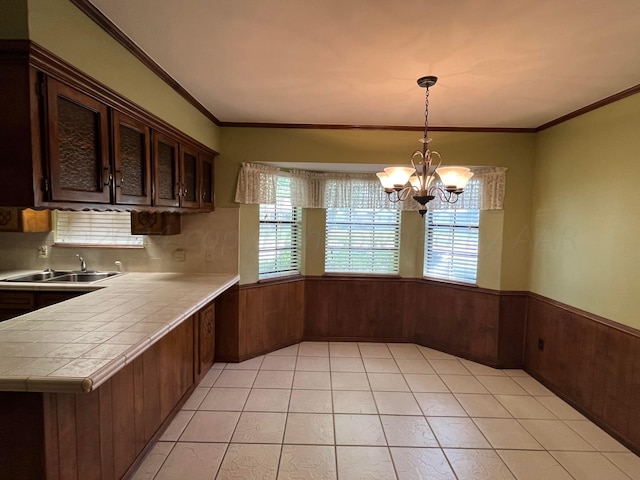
pixel 78 143
pixel 189 178
pixel 207 339
pixel 132 160
pixel 165 171
pixel 207 182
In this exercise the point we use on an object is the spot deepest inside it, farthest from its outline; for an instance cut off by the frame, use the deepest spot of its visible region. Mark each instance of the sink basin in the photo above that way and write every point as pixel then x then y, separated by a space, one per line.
pixel 84 277
pixel 63 276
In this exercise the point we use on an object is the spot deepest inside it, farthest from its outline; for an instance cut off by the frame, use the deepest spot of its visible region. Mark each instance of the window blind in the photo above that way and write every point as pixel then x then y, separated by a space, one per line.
pixel 362 240
pixel 451 245
pixel 98 229
pixel 279 242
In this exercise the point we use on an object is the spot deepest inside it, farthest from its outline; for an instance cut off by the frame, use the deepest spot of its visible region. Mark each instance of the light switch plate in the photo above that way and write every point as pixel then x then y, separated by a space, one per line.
pixel 179 255
pixel 43 251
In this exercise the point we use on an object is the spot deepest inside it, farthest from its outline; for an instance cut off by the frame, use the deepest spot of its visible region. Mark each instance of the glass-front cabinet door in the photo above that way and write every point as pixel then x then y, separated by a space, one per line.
pixel 78 146
pixel 206 184
pixel 190 186
pixel 166 171
pixel 132 160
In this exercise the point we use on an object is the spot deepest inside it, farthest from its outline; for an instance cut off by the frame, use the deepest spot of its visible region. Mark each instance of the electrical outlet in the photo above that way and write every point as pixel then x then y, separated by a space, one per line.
pixel 43 251
pixel 209 255
pixel 179 255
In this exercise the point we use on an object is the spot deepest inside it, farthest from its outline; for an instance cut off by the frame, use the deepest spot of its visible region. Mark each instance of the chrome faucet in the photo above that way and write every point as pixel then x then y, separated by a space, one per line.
pixel 83 265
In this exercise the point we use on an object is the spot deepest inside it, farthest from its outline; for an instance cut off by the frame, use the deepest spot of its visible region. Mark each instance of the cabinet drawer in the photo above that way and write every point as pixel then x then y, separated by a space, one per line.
pixel 17 301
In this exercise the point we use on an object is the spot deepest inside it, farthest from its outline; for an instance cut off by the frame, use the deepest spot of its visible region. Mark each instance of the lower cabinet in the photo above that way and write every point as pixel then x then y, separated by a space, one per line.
pixel 205 340
pixel 103 434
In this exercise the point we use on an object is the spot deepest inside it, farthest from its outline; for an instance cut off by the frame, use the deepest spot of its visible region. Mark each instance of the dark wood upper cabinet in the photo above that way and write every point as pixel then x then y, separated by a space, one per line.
pixel 132 160
pixel 73 143
pixel 78 146
pixel 166 171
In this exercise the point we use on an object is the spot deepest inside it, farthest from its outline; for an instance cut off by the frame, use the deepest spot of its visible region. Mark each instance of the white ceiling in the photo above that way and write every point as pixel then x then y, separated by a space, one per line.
pixel 500 63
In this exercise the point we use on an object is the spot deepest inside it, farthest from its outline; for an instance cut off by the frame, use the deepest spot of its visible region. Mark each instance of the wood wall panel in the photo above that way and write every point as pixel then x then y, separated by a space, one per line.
pixel 228 323
pixel 591 362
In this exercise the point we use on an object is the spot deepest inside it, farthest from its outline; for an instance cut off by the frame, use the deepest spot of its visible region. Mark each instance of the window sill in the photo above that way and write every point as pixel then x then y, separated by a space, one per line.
pixel 450 282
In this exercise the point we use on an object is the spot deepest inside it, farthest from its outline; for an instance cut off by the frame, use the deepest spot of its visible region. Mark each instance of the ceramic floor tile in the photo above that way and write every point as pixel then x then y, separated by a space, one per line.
pixel 506 433
pixel 478 465
pixel 596 436
pixel 225 399
pixel 555 435
pixel 346 364
pixel 177 426
pixel 309 429
pixel 290 350
pixel 210 377
pixel 411 365
pixel 479 369
pixel 521 406
pixel 463 384
pixel 260 427
pixel 307 462
pixel 532 386
pixel 388 382
pixel 251 364
pixel 339 349
pixel 210 427
pixel 195 399
pixel 278 362
pixel 426 383
pixel 313 349
pixel 404 350
pixel 515 372
pixel 430 353
pixel 236 378
pixel 439 405
pixel 310 401
pixel 312 380
pixel 313 364
pixel 589 466
pixel 374 351
pixel 365 463
pixel 349 381
pixel 560 408
pixel 421 464
pixel 533 465
pixel 250 462
pixel 479 405
pixel 457 432
pixel 627 462
pixel 153 461
pixel 396 403
pixel 407 431
pixel 346 401
pixel 358 430
pixel 273 379
pixel 380 365
pixel 501 385
pixel 448 366
pixel 195 461
pixel 268 400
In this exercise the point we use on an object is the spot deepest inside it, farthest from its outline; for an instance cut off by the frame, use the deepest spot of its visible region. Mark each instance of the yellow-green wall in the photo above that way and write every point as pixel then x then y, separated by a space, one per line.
pixel 504 250
pixel 14 22
pixel 586 211
pixel 60 27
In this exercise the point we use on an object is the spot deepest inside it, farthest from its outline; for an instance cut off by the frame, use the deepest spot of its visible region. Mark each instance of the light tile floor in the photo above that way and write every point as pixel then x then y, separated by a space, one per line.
pixel 353 411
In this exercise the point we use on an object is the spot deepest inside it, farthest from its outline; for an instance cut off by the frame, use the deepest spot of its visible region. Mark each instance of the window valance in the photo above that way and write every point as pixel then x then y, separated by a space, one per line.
pixel 310 189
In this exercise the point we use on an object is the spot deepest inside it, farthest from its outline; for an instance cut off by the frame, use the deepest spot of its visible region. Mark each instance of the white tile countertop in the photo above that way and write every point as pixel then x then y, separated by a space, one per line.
pixel 76 345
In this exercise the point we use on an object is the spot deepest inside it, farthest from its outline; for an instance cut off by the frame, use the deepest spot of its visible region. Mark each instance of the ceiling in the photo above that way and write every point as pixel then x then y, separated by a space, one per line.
pixel 500 63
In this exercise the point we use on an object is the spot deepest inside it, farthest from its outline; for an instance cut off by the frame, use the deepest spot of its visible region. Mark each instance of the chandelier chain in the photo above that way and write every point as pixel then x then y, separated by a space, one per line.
pixel 426 116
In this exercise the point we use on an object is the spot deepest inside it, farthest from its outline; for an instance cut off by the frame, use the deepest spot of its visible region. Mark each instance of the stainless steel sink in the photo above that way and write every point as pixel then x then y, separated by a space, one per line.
pixel 84 277
pixel 66 276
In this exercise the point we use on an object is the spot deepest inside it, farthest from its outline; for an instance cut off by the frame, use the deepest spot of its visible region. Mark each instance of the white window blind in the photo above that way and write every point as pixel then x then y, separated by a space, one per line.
pixel 362 240
pixel 279 243
pixel 97 229
pixel 451 245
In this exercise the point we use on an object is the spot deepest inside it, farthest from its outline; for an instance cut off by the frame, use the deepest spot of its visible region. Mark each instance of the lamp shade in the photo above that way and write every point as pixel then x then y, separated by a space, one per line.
pixel 454 178
pixel 399 175
pixel 385 180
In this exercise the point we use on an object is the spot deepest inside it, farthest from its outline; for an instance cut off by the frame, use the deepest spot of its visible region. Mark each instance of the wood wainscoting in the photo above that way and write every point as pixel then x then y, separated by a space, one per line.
pixel 479 324
pixel 591 362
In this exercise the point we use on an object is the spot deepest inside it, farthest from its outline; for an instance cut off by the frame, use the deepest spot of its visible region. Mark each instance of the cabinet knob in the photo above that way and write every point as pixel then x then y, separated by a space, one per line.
pixel 108 176
pixel 119 179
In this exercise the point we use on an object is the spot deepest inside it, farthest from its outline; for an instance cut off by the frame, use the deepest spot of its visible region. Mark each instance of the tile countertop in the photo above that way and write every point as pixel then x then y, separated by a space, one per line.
pixel 76 345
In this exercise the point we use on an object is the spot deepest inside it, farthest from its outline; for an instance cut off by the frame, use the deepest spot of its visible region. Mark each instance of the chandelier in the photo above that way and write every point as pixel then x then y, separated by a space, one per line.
pixel 419 179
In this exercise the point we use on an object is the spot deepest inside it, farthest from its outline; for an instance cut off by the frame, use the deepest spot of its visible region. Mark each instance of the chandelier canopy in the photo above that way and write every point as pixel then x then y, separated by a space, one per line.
pixel 419 179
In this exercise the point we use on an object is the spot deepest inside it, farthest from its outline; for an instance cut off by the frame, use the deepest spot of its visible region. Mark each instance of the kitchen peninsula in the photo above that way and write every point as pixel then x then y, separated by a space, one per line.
pixel 88 383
